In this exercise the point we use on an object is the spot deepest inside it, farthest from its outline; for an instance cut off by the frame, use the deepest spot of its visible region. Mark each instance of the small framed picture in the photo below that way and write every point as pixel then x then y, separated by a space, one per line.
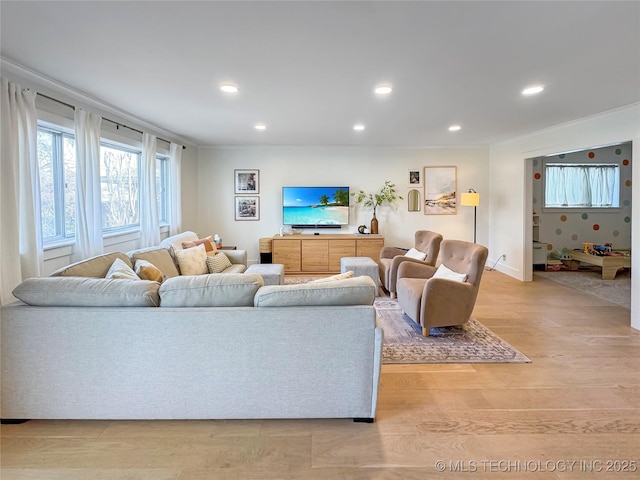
pixel 247 208
pixel 414 178
pixel 247 181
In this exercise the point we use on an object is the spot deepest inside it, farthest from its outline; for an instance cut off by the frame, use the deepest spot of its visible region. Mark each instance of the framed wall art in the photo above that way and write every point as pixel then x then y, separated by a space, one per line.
pixel 247 181
pixel 440 186
pixel 414 178
pixel 247 208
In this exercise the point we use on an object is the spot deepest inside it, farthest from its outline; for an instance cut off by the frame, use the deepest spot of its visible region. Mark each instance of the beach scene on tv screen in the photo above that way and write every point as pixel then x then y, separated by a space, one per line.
pixel 315 205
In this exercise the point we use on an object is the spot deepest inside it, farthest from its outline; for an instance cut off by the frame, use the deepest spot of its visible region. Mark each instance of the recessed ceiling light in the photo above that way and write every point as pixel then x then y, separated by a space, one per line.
pixel 454 128
pixel 260 126
pixel 229 88
pixel 358 127
pixel 383 89
pixel 533 90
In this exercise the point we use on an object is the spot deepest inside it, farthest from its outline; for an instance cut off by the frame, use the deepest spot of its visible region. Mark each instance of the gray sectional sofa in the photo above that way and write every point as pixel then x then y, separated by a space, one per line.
pixel 212 346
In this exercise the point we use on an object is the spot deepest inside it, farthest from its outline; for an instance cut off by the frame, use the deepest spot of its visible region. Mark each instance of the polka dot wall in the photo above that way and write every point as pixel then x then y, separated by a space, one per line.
pixel 569 229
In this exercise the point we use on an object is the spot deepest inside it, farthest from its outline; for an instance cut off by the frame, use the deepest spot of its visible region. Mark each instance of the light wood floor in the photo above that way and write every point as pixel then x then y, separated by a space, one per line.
pixel 578 401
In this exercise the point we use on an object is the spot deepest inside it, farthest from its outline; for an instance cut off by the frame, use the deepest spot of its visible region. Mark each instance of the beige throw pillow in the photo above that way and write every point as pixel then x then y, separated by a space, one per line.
pixel 415 253
pixel 218 263
pixel 448 274
pixel 340 276
pixel 148 271
pixel 192 261
pixel 119 269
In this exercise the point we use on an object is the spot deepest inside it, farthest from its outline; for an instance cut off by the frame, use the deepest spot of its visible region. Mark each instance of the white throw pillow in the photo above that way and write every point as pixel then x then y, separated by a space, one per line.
pixel 192 261
pixel 448 274
pixel 415 253
pixel 218 263
pixel 121 270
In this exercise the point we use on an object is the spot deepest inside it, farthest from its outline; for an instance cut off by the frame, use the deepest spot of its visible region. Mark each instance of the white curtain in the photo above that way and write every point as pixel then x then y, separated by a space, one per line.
pixel 580 185
pixel 149 218
pixel 175 199
pixel 20 227
pixel 88 196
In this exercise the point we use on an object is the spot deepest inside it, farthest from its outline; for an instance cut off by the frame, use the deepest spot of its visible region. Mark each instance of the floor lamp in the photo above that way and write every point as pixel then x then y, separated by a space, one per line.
pixel 471 199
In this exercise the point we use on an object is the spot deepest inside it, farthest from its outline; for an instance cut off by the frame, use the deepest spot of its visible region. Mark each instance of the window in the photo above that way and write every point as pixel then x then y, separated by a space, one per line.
pixel 119 187
pixel 569 185
pixel 57 166
pixel 119 183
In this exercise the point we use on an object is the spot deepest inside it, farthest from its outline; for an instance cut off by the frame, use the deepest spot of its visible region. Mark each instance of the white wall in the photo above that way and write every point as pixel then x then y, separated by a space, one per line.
pixel 358 168
pixel 511 199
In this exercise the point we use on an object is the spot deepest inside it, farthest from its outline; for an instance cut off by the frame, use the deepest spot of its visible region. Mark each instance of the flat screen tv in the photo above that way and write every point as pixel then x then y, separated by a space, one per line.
pixel 315 207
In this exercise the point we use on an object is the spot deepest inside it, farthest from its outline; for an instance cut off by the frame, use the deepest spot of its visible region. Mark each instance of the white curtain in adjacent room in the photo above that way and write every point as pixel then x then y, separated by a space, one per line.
pixel 88 197
pixel 149 218
pixel 175 195
pixel 20 227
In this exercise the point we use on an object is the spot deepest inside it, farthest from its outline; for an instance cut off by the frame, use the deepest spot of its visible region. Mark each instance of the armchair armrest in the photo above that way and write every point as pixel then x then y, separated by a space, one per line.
pixel 412 268
pixel 238 257
pixel 390 252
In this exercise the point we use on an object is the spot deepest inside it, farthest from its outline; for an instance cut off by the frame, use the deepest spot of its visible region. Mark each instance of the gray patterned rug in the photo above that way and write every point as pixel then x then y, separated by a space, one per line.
pixel 404 343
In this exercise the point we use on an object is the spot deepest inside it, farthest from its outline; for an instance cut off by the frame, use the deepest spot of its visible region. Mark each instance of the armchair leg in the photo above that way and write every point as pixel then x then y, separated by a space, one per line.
pixel 425 331
pixel 392 295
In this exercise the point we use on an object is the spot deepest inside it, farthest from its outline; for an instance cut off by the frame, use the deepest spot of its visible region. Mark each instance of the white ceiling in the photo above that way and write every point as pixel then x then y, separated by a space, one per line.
pixel 308 69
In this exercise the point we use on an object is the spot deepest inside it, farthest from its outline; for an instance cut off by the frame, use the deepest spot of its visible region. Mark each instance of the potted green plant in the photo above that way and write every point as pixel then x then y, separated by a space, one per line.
pixel 387 194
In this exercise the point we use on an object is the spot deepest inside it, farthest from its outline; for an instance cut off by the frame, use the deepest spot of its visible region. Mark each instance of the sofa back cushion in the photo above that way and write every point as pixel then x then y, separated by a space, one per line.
pixel 349 291
pixel 96 267
pixel 211 290
pixel 87 292
pixel 159 257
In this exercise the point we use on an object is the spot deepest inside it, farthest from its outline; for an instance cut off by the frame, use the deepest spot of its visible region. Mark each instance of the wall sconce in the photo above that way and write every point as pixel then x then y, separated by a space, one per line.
pixel 471 199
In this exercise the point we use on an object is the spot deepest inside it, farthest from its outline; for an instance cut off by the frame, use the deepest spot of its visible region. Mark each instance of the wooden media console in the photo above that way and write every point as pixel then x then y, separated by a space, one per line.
pixel 322 253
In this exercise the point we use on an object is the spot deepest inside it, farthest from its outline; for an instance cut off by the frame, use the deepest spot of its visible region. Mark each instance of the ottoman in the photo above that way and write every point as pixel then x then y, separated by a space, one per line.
pixel 361 266
pixel 272 273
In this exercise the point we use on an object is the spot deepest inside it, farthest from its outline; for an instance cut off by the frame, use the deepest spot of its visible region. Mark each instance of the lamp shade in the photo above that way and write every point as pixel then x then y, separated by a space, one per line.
pixel 470 199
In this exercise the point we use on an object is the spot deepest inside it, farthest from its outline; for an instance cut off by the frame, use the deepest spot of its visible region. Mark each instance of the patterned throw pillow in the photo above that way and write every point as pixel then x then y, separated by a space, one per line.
pixel 208 243
pixel 218 263
pixel 121 270
pixel 192 261
pixel 148 271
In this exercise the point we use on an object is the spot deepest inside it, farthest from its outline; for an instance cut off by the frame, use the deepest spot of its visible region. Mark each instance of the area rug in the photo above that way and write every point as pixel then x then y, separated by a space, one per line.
pixel 404 342
pixel 590 281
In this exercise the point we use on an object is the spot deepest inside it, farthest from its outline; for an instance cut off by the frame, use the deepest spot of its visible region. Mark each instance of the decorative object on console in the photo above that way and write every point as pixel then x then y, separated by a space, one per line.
pixel 471 199
pixel 386 194
pixel 440 187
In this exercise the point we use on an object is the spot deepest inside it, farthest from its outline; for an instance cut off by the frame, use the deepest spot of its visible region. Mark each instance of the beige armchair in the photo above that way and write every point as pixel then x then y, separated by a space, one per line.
pixel 438 302
pixel 391 257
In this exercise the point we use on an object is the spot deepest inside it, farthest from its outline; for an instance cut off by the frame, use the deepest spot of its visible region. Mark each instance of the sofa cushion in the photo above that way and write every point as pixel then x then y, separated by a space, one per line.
pixel 87 292
pixel 218 263
pixel 121 270
pixel 192 261
pixel 349 291
pixel 159 257
pixel 174 242
pixel 148 271
pixel 97 266
pixel 233 290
